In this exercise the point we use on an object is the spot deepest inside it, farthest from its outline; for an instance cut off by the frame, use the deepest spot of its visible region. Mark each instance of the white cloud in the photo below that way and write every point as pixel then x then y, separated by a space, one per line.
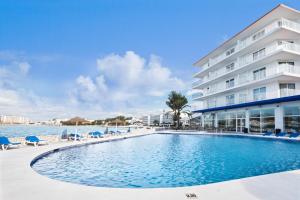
pixel 126 82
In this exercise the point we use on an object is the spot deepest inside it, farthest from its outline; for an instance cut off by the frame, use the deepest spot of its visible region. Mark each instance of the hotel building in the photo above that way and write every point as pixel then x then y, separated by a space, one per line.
pixel 251 83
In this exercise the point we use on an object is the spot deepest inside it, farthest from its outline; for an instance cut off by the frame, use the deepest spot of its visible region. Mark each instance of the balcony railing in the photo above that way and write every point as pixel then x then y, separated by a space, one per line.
pixel 248 77
pixel 285 23
pixel 249 59
pixel 197 95
pixel 196 83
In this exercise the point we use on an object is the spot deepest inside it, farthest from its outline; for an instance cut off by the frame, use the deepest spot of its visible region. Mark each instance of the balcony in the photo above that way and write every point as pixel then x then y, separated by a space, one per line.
pixel 281 23
pixel 196 83
pixel 197 95
pixel 250 59
pixel 272 72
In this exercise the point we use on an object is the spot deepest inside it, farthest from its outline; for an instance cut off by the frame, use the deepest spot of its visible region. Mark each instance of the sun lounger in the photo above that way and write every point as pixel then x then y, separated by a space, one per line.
pixel 267 133
pixel 95 134
pixel 5 143
pixel 294 135
pixel 34 140
pixel 281 134
pixel 73 136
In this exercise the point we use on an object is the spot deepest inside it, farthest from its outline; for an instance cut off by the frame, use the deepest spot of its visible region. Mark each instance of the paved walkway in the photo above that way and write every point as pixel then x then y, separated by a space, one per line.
pixel 18 181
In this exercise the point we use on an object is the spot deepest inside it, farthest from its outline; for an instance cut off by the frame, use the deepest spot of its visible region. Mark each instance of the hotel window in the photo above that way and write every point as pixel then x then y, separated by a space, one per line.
pixel 258 35
pixel 211 103
pixel 262 120
pixel 230 83
pixel 259 74
pixel 292 119
pixel 230 100
pixel 281 42
pixel 259 54
pixel 287 66
pixel 229 52
pixel 227 121
pixel 259 94
pixel 230 67
pixel 286 63
pixel 287 89
pixel 242 98
pixel 209 120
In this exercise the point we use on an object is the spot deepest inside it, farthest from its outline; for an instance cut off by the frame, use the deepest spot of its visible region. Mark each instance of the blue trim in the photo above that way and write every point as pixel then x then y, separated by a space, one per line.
pixel 255 103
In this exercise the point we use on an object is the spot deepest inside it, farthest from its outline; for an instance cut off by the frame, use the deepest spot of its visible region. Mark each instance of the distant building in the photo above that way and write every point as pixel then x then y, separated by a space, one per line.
pixel 134 121
pixel 5 119
pixel 164 119
pixel 146 120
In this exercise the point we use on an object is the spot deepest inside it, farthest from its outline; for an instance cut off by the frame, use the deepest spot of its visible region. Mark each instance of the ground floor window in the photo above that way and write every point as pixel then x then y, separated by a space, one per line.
pixel 234 121
pixel 292 119
pixel 262 120
pixel 209 120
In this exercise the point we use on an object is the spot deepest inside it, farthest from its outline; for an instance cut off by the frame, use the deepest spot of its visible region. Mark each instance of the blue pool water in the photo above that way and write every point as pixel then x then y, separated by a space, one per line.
pixel 169 161
pixel 25 130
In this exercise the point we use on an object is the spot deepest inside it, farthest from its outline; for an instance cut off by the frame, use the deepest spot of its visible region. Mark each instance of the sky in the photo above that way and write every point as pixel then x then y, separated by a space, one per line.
pixel 98 59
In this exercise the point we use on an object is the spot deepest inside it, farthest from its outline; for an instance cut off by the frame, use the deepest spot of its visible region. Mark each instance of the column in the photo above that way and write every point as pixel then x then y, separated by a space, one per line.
pixel 202 120
pixel 216 120
pixel 279 123
pixel 247 123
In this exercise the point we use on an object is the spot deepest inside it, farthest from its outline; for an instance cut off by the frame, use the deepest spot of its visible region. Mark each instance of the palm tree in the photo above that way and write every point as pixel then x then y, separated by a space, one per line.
pixel 177 102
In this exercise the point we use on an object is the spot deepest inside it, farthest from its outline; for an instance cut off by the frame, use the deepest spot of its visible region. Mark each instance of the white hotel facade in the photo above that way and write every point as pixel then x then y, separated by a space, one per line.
pixel 251 83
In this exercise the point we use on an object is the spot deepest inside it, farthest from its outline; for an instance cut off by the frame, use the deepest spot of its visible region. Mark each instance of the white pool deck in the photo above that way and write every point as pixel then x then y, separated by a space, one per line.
pixel 18 181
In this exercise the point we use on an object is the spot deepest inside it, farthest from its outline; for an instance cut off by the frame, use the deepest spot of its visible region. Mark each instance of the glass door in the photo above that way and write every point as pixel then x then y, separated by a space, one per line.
pixel 241 122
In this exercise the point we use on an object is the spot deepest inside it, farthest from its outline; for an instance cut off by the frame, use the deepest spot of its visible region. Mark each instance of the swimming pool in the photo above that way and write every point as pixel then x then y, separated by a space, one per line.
pixel 166 160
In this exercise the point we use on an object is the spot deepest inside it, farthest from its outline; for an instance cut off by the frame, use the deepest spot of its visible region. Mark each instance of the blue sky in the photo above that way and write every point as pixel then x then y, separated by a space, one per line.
pixel 101 58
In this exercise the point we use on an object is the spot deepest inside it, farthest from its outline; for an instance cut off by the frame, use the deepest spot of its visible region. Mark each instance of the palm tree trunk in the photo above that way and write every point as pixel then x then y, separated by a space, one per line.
pixel 178 119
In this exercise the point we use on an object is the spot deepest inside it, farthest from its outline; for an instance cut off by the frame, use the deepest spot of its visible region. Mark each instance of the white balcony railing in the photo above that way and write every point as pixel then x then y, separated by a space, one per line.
pixel 197 95
pixel 248 77
pixel 196 83
pixel 285 23
pixel 249 59
pixel 290 24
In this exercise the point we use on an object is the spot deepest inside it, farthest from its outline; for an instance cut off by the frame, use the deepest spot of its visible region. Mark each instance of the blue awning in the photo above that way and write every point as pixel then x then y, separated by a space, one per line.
pixel 249 104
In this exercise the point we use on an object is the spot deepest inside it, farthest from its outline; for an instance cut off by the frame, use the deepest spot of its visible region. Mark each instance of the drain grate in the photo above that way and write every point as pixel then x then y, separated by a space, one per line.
pixel 191 196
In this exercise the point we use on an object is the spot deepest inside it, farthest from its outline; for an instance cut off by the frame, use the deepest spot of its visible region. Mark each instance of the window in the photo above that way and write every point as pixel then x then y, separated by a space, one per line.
pixel 230 67
pixel 259 94
pixel 287 66
pixel 259 74
pixel 281 42
pixel 258 35
pixel 259 54
pixel 242 98
pixel 209 120
pixel 230 83
pixel 229 52
pixel 287 89
pixel 211 103
pixel 234 121
pixel 286 63
pixel 230 99
pixel 262 120
pixel 292 119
